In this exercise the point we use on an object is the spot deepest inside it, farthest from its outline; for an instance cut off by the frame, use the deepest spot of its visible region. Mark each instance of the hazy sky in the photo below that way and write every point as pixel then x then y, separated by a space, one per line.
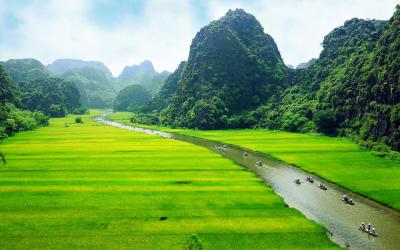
pixel 126 32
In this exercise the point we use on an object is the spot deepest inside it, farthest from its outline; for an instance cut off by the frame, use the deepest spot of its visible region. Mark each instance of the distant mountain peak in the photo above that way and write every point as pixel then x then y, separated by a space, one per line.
pixel 60 66
pixel 145 66
pixel 143 74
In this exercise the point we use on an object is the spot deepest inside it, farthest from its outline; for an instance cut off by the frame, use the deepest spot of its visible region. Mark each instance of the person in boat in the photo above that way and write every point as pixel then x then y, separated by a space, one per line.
pixel 345 198
pixel 372 231
pixel 351 201
pixel 363 226
pixel 369 227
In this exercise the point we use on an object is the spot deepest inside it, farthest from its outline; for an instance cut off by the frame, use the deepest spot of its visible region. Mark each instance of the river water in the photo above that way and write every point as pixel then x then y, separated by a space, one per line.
pixel 323 206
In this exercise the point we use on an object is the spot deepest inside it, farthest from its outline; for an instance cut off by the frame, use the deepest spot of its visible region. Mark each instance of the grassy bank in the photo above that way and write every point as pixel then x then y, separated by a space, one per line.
pixel 89 185
pixel 335 159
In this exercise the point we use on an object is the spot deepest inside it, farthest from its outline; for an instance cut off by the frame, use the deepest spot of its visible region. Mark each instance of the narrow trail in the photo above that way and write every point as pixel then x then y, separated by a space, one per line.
pixel 323 206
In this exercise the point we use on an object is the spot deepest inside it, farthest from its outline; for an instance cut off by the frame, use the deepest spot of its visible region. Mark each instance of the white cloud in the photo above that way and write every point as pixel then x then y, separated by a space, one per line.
pixel 163 32
pixel 162 36
pixel 61 29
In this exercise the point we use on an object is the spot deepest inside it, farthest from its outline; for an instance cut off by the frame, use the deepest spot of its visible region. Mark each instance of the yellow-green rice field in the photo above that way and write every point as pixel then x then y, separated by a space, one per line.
pixel 92 186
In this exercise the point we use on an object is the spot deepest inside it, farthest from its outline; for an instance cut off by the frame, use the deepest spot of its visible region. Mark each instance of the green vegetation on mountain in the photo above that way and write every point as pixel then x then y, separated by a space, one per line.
pixel 297 110
pixel 60 66
pixel 353 89
pixel 164 97
pixel 53 96
pixel 38 91
pixel 233 67
pixel 13 119
pixel 95 87
pixel 131 98
pixel 8 91
pixel 143 74
pixel 25 70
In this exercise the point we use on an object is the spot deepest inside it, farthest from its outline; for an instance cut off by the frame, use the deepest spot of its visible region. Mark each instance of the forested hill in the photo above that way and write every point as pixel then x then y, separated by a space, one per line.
pixel 36 90
pixel 234 77
pixel 12 117
pixel 299 104
pixel 233 67
pixel 27 69
pixel 352 89
pixel 95 87
pixel 60 66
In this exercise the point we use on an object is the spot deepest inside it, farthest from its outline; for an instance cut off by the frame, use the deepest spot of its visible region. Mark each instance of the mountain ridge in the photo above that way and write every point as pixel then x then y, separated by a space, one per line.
pixel 60 66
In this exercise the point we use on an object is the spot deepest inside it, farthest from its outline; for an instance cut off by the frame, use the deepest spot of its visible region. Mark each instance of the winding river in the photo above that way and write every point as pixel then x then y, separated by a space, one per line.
pixel 323 206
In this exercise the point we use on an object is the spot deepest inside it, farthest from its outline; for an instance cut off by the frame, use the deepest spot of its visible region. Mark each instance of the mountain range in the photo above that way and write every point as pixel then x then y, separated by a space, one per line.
pixel 60 66
pixel 97 86
pixel 235 77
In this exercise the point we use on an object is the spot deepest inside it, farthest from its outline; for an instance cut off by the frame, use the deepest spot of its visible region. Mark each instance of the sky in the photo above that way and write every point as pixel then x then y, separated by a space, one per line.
pixel 127 32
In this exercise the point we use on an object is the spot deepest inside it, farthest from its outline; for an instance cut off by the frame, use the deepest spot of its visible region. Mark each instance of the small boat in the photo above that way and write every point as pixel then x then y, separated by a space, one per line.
pixel 347 200
pixel 322 186
pixel 259 164
pixel 245 154
pixel 370 232
pixel 310 179
pixel 297 181
pixel 350 201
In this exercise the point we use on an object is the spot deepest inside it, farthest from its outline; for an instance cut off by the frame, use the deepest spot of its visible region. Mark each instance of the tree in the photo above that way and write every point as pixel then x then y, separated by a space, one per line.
pixel 7 88
pixel 325 121
pixel 3 157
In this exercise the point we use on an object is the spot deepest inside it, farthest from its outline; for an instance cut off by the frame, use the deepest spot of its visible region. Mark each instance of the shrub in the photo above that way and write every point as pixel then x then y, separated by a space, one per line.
pixel 3 134
pixel 193 243
pixel 78 119
pixel 79 110
pixel 56 110
pixel 41 119
pixel 3 158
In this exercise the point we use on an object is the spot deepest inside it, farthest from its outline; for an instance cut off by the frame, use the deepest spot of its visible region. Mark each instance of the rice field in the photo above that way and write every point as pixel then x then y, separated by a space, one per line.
pixel 335 159
pixel 92 186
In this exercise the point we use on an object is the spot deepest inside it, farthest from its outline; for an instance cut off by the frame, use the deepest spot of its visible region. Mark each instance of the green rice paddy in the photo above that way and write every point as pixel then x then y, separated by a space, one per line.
pixel 92 186
pixel 336 159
